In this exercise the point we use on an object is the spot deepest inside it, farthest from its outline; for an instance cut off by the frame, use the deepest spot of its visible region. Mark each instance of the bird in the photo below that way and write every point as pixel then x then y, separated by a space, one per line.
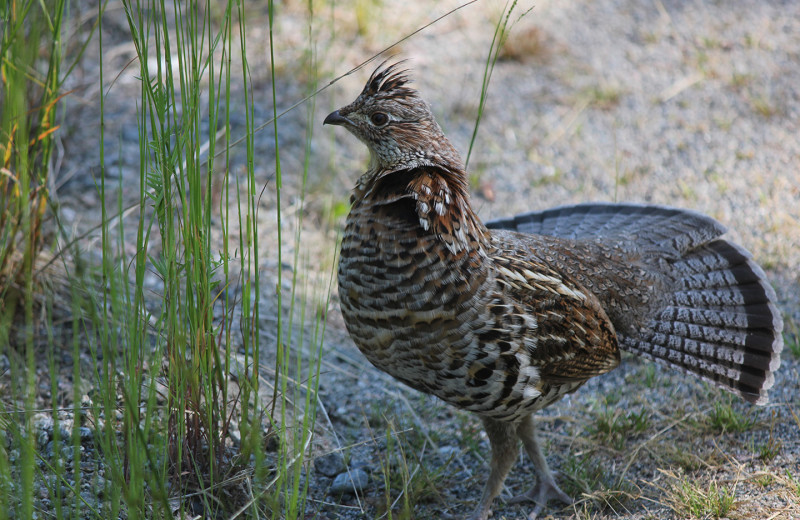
pixel 504 318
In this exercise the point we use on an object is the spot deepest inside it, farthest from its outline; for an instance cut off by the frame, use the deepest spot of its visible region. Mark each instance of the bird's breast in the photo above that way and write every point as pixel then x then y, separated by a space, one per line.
pixel 435 318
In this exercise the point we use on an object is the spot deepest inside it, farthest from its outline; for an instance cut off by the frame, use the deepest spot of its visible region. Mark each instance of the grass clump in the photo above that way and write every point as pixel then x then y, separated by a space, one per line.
pixel 166 386
pixel 769 449
pixel 528 44
pixel 725 418
pixel 582 474
pixel 31 76
pixel 649 375
pixel 613 427
pixel 763 106
pixel 407 479
pixel 604 96
pixel 694 500
pixel 764 480
pixel 592 482
pixel 686 457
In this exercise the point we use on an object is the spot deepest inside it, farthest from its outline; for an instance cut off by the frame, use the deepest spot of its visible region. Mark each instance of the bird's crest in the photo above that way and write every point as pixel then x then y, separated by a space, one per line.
pixel 388 81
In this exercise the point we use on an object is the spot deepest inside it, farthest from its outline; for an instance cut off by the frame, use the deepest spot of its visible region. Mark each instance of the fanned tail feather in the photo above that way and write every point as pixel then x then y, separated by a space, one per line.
pixel 721 322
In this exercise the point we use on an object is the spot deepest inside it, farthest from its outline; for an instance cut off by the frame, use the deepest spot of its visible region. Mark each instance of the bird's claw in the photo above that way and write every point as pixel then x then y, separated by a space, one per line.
pixel 541 493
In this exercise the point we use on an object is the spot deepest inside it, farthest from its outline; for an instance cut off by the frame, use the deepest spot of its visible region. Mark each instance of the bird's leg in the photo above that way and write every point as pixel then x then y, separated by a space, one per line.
pixel 546 487
pixel 503 439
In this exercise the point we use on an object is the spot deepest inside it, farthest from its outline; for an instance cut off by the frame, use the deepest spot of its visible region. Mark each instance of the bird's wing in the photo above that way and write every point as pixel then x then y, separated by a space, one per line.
pixel 573 339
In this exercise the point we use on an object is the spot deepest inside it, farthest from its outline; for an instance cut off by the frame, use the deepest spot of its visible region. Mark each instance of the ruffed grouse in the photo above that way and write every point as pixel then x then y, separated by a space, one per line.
pixel 504 318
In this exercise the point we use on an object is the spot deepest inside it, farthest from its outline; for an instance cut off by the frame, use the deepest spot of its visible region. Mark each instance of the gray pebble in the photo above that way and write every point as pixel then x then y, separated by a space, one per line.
pixel 330 465
pixel 48 450
pixel 68 454
pixel 43 438
pixel 347 481
pixel 85 433
pixel 44 423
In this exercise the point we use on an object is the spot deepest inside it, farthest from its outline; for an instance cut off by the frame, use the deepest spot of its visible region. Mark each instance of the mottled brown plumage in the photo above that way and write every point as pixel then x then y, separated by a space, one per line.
pixel 504 319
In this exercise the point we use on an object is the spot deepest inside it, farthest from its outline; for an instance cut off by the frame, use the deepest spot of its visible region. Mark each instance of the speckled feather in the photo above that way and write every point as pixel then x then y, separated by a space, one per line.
pixel 438 302
pixel 504 319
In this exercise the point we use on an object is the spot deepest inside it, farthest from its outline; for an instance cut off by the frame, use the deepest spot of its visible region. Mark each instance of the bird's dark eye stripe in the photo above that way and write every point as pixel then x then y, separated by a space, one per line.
pixel 379 119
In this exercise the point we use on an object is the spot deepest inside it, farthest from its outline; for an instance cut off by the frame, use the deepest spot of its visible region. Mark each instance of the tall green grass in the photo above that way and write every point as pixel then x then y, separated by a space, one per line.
pixel 501 31
pixel 194 83
pixel 180 368
pixel 30 71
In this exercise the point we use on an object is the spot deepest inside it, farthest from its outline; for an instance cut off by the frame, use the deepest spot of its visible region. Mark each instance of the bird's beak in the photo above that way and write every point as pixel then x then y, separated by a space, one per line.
pixel 335 118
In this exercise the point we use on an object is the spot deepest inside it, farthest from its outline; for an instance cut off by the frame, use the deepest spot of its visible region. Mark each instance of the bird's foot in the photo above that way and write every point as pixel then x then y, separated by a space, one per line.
pixel 541 493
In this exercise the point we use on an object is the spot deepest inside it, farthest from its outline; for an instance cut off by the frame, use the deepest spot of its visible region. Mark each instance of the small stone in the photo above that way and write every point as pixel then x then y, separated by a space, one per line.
pixel 43 423
pixel 347 482
pixel 235 435
pixel 67 454
pixel 330 465
pixel 48 450
pixel 89 499
pixel 85 433
pixel 42 439
pixel 68 215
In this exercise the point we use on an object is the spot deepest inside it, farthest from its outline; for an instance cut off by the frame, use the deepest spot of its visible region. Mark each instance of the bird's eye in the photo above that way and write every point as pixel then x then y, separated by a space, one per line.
pixel 379 119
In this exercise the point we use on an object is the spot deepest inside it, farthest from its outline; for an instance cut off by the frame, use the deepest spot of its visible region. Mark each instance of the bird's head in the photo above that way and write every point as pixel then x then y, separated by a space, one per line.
pixel 396 124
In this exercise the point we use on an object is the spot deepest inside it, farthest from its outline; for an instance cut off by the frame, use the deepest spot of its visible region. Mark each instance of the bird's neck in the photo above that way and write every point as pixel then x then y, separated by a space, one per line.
pixel 419 145
pixel 439 197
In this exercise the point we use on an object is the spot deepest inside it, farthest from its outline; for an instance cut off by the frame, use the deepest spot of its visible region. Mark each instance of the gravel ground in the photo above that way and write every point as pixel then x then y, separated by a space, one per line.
pixel 687 103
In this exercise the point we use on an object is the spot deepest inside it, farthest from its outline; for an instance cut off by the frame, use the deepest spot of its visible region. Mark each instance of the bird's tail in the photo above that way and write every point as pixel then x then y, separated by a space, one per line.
pixel 720 322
